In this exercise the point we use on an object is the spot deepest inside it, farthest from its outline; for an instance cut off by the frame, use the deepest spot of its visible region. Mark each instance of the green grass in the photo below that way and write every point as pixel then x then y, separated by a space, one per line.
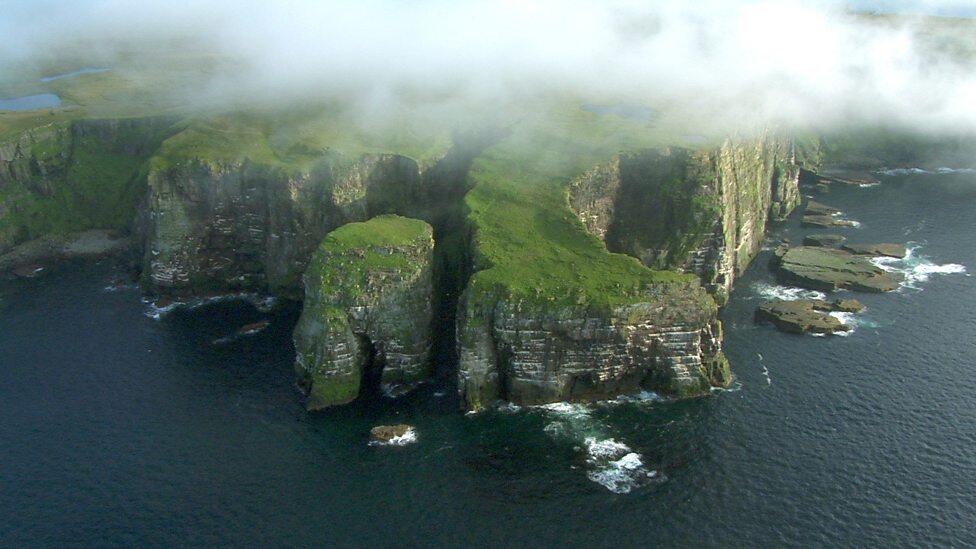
pixel 380 231
pixel 529 244
pixel 349 255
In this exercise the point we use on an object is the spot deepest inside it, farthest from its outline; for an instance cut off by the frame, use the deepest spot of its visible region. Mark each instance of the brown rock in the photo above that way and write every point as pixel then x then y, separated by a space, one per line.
pixel 897 251
pixel 824 221
pixel 824 240
pixel 386 433
pixel 816 208
pixel 249 329
pixel 28 271
pixel 848 306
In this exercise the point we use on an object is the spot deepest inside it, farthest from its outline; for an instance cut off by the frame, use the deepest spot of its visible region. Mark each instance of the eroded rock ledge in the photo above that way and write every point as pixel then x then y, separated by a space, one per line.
pixel 366 320
pixel 534 353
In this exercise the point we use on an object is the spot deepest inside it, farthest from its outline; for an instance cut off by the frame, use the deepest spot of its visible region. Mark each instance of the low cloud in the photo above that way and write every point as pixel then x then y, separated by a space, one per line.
pixel 806 63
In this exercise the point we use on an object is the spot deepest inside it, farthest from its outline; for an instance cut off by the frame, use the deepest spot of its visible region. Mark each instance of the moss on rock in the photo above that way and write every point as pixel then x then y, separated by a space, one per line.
pixel 367 311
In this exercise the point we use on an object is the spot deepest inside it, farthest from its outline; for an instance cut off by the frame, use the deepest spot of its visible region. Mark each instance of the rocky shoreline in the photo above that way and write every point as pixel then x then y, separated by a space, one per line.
pixel 32 258
pixel 826 263
pixel 596 273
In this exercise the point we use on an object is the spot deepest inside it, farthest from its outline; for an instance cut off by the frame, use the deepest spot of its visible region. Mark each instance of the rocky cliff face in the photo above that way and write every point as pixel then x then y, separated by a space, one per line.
pixel 367 313
pixel 73 176
pixel 534 353
pixel 703 212
pixel 217 226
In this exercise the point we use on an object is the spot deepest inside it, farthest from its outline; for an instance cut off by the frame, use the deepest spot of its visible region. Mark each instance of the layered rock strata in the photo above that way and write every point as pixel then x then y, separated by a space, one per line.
pixel 233 225
pixel 366 321
pixel 536 352
pixel 703 212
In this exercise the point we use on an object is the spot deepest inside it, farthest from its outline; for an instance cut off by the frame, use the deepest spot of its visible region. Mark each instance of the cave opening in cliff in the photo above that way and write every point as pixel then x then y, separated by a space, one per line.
pixel 372 368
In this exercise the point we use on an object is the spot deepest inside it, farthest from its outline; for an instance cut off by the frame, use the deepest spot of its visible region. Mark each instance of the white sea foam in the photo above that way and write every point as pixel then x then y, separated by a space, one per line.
pixel 903 171
pixel 262 303
pixel 614 466
pixel 409 437
pixel 786 293
pixel 920 171
pixel 916 268
pixel 849 319
pixel 643 396
pixel 610 463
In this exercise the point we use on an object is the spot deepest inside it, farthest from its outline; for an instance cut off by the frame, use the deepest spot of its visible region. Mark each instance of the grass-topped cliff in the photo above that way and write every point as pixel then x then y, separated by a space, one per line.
pixel 367 312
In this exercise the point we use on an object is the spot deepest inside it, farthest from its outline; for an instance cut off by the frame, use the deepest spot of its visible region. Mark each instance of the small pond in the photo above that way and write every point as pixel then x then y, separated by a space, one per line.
pixel 30 102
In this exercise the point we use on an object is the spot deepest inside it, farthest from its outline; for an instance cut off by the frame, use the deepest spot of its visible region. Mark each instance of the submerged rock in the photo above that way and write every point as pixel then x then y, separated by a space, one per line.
pixel 896 251
pixel 824 240
pixel 816 208
pixel 806 315
pixel 28 271
pixel 367 314
pixel 825 221
pixel 827 269
pixel 253 328
pixel 852 178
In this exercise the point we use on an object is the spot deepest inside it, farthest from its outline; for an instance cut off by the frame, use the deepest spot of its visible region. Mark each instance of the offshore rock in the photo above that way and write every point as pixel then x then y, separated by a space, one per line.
pixel 367 313
pixel 806 315
pixel 392 435
pixel 825 222
pixel 828 269
pixel 816 208
pixel 896 251
pixel 824 240
pixel 536 352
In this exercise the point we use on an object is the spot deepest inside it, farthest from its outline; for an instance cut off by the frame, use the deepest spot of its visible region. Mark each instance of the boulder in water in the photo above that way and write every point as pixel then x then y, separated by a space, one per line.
pixel 825 221
pixel 391 434
pixel 896 251
pixel 805 315
pixel 827 269
pixel 816 208
pixel 253 328
pixel 28 271
pixel 824 240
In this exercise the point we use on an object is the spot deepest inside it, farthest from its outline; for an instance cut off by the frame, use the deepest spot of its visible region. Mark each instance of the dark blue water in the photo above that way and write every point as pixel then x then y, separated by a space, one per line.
pixel 30 102
pixel 119 429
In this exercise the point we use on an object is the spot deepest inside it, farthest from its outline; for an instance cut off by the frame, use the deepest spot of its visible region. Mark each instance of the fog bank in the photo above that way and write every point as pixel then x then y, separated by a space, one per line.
pixel 807 63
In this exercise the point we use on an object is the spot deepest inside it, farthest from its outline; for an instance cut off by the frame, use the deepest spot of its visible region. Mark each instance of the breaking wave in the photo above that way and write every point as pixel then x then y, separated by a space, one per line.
pixel 849 319
pixel 409 437
pixel 609 462
pixel 916 268
pixel 785 293
pixel 262 303
pixel 920 171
